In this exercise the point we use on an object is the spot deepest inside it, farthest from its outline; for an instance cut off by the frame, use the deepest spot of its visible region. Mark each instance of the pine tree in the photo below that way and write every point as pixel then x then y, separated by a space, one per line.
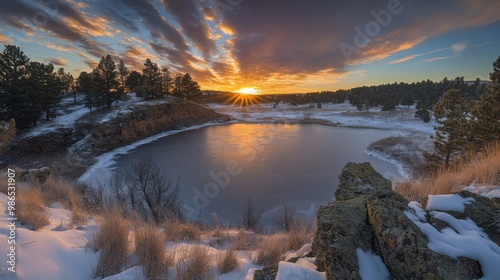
pixel 15 101
pixel 67 82
pixel 178 86
pixel 453 131
pixel 134 82
pixel 46 86
pixel 166 82
pixel 191 88
pixel 487 111
pixel 105 81
pixel 152 79
pixel 123 73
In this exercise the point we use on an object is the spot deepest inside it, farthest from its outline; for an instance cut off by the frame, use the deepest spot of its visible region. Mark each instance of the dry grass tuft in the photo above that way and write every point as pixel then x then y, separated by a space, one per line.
pixel 481 168
pixel 31 210
pixel 194 263
pixel 112 241
pixel 226 261
pixel 3 183
pixel 58 190
pixel 299 235
pixel 271 250
pixel 176 231
pixel 150 249
pixel 245 240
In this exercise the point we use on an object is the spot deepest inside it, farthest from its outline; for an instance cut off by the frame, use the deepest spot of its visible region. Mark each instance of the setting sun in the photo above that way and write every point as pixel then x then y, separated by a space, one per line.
pixel 248 91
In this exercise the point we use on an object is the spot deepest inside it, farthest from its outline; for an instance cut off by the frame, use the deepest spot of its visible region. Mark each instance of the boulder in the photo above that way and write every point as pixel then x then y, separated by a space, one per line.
pixel 267 273
pixel 361 179
pixel 53 142
pixel 368 214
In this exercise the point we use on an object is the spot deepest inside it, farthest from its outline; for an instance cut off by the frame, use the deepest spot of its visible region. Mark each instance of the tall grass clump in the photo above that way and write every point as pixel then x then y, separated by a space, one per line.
pixel 58 190
pixel 271 250
pixel 31 210
pixel 194 263
pixel 112 242
pixel 479 168
pixel 226 261
pixel 150 250
pixel 176 230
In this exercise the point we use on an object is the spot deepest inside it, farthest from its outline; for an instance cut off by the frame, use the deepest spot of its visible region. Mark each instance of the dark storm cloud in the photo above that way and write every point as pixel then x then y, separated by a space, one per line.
pixel 122 19
pixel 299 36
pixel 157 25
pixel 189 15
pixel 18 14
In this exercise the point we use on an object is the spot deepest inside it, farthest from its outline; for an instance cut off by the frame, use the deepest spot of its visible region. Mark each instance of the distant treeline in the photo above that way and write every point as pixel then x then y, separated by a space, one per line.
pixel 425 94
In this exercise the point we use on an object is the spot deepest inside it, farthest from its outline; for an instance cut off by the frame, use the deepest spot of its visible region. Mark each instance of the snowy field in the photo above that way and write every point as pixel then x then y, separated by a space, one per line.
pixel 345 114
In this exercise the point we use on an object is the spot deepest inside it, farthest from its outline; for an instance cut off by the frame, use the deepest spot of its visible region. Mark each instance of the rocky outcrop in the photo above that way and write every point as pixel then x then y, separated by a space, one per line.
pixel 130 124
pixel 52 142
pixel 367 214
pixel 141 121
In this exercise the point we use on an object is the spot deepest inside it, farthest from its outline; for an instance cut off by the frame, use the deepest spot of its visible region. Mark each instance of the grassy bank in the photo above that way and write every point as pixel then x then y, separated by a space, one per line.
pixel 478 169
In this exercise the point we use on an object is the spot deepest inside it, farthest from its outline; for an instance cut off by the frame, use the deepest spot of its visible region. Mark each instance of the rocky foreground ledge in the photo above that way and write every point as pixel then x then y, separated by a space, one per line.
pixel 368 215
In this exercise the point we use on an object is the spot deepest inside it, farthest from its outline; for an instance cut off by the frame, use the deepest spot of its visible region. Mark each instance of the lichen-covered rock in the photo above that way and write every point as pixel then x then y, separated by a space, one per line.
pixel 482 211
pixel 267 273
pixel 403 247
pixel 343 222
pixel 361 179
pixel 368 214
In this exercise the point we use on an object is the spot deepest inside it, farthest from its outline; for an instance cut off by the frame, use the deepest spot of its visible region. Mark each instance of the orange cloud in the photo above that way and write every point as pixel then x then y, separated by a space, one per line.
pixel 4 40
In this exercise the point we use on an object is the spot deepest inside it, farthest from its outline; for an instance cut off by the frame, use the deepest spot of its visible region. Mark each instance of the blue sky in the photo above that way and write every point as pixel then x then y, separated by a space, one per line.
pixel 274 46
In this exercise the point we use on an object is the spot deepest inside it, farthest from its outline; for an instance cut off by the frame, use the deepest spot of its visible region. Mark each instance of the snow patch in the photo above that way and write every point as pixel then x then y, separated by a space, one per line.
pixel 371 266
pixel 462 239
pixel 484 190
pixel 448 202
pixel 297 271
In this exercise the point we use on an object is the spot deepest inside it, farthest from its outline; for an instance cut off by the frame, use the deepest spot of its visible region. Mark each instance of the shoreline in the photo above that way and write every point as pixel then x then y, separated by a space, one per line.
pixel 105 160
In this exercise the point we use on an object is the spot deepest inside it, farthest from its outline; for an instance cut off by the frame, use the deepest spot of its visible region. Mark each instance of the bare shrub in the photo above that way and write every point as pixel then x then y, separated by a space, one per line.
pixel 251 215
pixel 176 230
pixel 112 241
pixel 287 219
pixel 151 193
pixel 271 250
pixel 226 261
pixel 194 263
pixel 150 249
pixel 94 198
pixel 31 210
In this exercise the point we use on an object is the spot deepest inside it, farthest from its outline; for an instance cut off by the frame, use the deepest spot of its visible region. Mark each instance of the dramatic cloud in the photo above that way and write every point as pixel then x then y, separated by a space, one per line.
pixel 230 44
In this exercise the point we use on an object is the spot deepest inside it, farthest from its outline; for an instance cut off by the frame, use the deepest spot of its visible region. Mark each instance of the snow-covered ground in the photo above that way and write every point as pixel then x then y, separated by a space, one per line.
pixel 338 114
pixel 60 252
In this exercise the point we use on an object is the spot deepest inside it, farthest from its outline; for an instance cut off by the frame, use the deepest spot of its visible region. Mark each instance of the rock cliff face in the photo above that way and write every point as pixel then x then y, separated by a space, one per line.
pixel 141 121
pixel 367 214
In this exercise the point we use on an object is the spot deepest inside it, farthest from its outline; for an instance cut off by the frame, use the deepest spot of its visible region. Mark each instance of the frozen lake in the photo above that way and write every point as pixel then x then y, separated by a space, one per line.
pixel 220 167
